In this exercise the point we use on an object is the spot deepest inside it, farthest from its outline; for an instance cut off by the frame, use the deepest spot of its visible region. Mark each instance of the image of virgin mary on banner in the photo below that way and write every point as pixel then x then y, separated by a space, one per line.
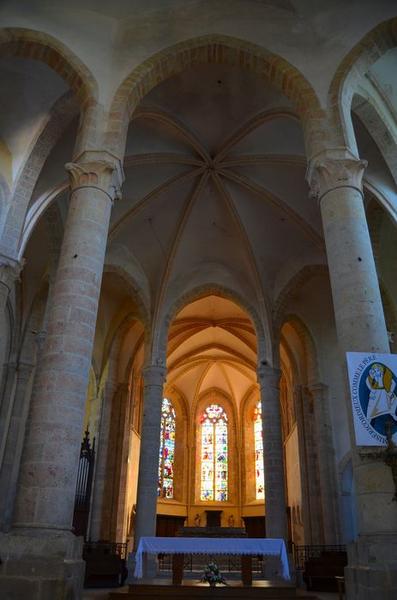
pixel 373 387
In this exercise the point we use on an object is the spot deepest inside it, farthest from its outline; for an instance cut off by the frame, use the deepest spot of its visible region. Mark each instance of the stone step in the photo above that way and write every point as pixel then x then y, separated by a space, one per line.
pixel 260 590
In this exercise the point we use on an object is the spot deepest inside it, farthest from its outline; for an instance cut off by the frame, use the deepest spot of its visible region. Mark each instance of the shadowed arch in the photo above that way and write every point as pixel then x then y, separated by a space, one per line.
pixel 38 45
pixel 308 345
pixel 208 49
pixel 355 64
pixel 292 286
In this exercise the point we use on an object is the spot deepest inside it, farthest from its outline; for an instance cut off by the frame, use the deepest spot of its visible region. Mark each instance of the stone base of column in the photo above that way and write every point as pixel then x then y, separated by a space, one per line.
pixel 40 565
pixel 371 573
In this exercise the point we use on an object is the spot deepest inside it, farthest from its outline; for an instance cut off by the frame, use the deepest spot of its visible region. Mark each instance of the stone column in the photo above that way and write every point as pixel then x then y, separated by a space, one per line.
pixel 326 461
pixel 10 270
pixel 13 442
pixel 146 509
pixel 47 479
pixel 312 513
pixel 273 453
pixel 335 178
pixel 96 531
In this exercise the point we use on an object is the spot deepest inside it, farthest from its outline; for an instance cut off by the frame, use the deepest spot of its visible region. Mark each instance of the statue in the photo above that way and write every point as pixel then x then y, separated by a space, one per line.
pixel 231 521
pixel 197 520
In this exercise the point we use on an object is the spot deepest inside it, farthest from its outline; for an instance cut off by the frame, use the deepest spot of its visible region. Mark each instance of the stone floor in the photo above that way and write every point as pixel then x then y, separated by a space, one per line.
pixel 102 594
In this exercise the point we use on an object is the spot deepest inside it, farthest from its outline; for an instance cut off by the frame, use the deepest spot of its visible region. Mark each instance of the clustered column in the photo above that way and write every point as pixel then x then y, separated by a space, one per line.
pixel 145 520
pixel 47 480
pixel 276 522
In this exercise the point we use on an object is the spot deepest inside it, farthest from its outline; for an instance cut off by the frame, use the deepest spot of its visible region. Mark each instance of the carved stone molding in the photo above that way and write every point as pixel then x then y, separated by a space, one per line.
pixel 333 169
pixel 97 169
pixel 10 271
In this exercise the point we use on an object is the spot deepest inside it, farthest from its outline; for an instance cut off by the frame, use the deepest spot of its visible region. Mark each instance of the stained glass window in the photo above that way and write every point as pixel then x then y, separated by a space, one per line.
pixel 214 454
pixel 167 451
pixel 258 437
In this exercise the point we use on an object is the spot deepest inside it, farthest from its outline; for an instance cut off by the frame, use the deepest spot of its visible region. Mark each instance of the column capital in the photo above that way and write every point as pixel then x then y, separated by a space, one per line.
pixel 10 270
pixel 154 375
pixel 97 169
pixel 268 376
pixel 333 169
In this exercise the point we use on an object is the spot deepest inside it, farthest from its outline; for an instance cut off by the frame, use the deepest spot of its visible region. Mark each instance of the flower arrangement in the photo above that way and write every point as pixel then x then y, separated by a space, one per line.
pixel 212 575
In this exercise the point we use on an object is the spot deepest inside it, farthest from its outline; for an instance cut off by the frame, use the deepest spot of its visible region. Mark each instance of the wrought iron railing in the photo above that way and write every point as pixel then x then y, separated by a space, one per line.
pixel 111 548
pixel 302 554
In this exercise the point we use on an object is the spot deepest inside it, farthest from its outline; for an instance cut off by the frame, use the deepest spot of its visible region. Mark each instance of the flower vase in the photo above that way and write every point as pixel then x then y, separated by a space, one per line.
pixel 212 583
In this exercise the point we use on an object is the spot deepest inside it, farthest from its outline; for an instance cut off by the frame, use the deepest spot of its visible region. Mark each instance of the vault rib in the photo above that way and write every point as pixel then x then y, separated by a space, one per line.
pixel 249 126
pixel 163 117
pixel 263 193
pixel 158 190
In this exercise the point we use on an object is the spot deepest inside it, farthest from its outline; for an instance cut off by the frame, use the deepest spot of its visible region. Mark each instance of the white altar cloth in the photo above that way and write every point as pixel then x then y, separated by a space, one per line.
pixel 202 545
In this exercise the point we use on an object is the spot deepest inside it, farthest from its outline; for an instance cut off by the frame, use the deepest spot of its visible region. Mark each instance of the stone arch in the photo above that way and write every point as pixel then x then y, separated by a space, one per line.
pixel 356 63
pixel 135 289
pixel 368 110
pixel 211 49
pixel 38 45
pixel 290 288
pixel 308 345
pixel 159 338
pixel 62 114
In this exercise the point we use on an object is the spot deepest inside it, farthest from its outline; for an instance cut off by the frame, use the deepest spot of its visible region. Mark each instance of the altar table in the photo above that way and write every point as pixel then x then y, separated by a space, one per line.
pixel 212 546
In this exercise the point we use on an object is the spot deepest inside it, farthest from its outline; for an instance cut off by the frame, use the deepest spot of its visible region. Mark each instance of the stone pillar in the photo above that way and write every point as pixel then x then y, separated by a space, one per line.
pixel 326 462
pixel 116 466
pixel 146 509
pixel 47 554
pixel 273 453
pixel 13 442
pixel 311 509
pixel 10 270
pixel 335 178
pixel 96 531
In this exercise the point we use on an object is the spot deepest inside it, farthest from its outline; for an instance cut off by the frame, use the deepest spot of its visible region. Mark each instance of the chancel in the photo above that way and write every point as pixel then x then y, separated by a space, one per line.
pixel 198 298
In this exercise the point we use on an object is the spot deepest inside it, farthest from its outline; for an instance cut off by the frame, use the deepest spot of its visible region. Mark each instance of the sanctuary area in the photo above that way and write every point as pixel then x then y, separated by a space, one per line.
pixel 198 297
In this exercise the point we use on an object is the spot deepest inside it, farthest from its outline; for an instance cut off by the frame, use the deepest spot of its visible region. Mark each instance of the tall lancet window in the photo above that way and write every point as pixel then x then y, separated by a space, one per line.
pixel 258 438
pixel 214 454
pixel 167 451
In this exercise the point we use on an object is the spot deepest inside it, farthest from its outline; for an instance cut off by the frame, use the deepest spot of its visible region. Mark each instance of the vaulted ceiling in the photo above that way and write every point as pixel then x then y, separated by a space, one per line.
pixel 212 344
pixel 215 174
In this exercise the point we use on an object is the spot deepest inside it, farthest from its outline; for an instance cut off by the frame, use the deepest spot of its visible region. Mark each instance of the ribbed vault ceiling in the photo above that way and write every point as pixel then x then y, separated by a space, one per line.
pixel 215 175
pixel 212 344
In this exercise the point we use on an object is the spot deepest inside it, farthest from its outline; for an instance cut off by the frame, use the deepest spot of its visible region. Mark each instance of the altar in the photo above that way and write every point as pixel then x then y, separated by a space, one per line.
pixel 242 546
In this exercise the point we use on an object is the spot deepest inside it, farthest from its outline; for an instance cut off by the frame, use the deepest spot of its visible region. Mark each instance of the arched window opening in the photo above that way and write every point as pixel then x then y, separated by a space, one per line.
pixel 258 437
pixel 167 450
pixel 214 454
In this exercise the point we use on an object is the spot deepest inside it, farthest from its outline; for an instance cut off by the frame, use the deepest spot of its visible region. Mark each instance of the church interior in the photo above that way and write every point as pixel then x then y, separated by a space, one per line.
pixel 198 212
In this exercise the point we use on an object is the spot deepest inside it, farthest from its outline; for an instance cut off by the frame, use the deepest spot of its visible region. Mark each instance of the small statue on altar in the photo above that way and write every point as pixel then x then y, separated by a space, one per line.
pixel 230 521
pixel 197 520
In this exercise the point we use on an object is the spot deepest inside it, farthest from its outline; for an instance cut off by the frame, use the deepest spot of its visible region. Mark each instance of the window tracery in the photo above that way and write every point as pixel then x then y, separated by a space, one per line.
pixel 167 450
pixel 214 454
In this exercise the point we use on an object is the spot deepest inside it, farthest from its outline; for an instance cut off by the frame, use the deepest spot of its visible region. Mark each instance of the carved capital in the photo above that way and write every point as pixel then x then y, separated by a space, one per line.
pixel 268 377
pixel 10 271
pixel 334 169
pixel 97 169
